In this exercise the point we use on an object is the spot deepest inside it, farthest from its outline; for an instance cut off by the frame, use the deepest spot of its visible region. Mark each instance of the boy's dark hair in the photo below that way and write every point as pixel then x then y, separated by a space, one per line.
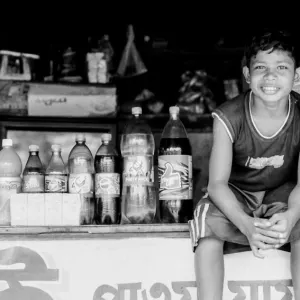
pixel 271 39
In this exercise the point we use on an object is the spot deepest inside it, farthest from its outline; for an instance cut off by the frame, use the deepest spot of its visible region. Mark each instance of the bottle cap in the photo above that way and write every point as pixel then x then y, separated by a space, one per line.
pixel 80 137
pixel 136 110
pixel 33 148
pixel 106 137
pixel 174 110
pixel 56 147
pixel 7 142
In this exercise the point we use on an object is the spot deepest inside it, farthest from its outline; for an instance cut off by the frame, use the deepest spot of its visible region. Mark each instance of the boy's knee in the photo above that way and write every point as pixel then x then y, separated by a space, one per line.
pixel 209 245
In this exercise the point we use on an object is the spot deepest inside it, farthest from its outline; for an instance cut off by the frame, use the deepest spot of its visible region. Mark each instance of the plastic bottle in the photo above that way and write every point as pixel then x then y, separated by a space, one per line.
pixel 138 191
pixel 56 177
pixel 99 60
pixel 81 180
pixel 107 183
pixel 10 178
pixel 175 172
pixel 33 174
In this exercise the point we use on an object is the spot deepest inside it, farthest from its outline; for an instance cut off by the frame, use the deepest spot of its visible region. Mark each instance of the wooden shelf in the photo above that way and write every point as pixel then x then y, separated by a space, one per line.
pixel 92 231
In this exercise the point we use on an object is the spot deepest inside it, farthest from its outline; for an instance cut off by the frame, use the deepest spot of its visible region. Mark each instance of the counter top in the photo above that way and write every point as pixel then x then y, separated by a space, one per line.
pixel 94 232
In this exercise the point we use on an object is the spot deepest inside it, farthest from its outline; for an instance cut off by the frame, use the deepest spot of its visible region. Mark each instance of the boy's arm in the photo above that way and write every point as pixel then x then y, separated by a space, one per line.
pixel 294 200
pixel 219 171
pixel 284 222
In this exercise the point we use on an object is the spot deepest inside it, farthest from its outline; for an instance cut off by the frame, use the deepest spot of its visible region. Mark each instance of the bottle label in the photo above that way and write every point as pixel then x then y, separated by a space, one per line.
pixel 138 170
pixel 105 164
pixel 33 183
pixel 80 165
pixel 56 183
pixel 175 177
pixel 8 186
pixel 81 183
pixel 107 184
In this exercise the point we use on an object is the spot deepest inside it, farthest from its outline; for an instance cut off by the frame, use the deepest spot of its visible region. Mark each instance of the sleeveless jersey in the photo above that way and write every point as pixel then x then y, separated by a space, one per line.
pixel 260 163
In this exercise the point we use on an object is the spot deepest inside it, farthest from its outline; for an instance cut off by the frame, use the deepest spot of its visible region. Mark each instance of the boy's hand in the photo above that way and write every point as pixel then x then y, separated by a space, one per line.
pixel 281 224
pixel 260 236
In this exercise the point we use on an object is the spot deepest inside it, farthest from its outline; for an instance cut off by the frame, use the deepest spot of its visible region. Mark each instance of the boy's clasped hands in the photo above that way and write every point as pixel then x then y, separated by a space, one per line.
pixel 270 233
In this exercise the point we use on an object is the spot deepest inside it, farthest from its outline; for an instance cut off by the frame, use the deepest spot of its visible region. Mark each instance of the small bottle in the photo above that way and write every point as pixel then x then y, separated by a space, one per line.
pixel 175 172
pixel 138 190
pixel 10 178
pixel 33 174
pixel 81 181
pixel 107 183
pixel 56 177
pixel 100 60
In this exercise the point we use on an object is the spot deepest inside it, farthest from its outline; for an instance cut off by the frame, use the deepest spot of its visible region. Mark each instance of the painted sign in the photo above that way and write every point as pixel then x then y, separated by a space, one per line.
pixel 70 100
pixel 130 269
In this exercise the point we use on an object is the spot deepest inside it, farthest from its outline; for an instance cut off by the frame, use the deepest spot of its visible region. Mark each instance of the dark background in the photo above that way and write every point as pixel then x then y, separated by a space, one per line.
pixel 185 36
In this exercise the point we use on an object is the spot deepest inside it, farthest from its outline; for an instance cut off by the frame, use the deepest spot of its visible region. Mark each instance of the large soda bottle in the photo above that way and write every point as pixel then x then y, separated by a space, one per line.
pixel 56 177
pixel 81 181
pixel 10 178
pixel 107 183
pixel 175 172
pixel 33 174
pixel 138 191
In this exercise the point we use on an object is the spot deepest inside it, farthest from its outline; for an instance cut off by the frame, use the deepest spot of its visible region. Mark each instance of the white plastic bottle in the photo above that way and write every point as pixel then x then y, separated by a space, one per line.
pixel 56 177
pixel 81 180
pixel 10 178
pixel 138 188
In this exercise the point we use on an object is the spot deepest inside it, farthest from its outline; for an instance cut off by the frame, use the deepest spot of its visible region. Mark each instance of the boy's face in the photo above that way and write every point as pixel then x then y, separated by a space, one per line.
pixel 271 76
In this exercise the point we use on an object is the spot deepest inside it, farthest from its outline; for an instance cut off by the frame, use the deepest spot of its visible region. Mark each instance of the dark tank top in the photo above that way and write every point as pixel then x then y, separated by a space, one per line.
pixel 260 163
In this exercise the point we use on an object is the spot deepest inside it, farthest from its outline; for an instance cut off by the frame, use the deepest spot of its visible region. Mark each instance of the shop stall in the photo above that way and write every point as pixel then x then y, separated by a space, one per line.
pixel 116 262
pixel 128 262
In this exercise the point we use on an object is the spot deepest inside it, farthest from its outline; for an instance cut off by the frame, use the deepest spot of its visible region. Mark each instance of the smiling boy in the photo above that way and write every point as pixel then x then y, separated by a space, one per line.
pixel 254 189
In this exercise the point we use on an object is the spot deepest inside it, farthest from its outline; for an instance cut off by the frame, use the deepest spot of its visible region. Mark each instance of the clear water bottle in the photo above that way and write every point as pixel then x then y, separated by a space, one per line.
pixel 107 183
pixel 33 174
pixel 175 172
pixel 81 180
pixel 10 178
pixel 56 177
pixel 138 191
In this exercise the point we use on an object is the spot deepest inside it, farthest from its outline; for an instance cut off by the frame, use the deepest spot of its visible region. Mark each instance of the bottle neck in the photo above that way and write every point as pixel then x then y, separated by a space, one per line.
pixel 174 116
pixel 34 153
pixel 56 153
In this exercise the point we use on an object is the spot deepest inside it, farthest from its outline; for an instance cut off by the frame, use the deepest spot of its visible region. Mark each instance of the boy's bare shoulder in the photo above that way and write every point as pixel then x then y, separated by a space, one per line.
pixel 232 107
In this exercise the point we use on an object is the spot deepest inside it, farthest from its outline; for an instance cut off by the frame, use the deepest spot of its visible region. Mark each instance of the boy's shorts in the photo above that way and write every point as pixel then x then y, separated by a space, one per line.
pixel 209 221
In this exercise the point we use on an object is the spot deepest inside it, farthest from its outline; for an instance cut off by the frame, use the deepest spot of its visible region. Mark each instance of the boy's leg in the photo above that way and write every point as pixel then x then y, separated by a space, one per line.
pixel 295 267
pixel 209 229
pixel 209 269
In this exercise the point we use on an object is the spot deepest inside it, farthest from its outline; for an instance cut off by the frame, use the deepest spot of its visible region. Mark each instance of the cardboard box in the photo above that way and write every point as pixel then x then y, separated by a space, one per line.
pixel 45 209
pixel 13 97
pixel 71 100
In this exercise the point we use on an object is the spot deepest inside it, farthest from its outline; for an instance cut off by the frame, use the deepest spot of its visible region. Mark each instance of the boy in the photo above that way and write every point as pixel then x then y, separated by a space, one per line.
pixel 253 193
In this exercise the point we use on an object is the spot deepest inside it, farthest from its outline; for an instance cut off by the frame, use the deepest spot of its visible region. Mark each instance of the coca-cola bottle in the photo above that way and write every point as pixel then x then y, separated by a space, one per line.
pixel 107 183
pixel 33 174
pixel 56 177
pixel 175 172
pixel 81 181
pixel 138 189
